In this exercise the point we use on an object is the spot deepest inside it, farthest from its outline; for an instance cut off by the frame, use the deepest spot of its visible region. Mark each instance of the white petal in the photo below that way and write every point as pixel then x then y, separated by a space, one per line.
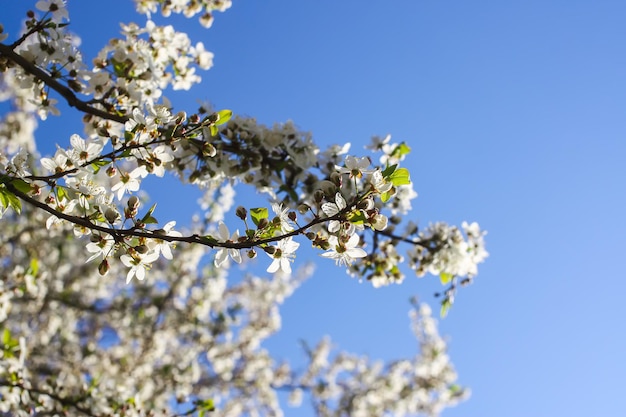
pixel 274 266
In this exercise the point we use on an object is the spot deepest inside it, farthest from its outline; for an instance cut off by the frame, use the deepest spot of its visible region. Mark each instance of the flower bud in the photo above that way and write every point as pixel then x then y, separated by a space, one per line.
pixel 209 150
pixel 111 171
pixel 303 208
pixel 103 268
pixel 142 249
pixel 181 116
pixel 292 216
pixel 318 196
pixel 241 212
pixel 251 253
pixel 263 223
pixel 270 249
pixel 111 215
pixel 133 202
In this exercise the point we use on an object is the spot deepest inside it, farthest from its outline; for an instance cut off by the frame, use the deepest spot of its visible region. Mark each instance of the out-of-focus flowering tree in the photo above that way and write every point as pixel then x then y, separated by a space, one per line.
pixel 107 311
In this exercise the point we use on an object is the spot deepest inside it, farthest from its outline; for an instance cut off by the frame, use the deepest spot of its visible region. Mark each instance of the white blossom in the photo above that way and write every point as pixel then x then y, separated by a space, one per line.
pixel 344 253
pixel 283 255
pixel 225 237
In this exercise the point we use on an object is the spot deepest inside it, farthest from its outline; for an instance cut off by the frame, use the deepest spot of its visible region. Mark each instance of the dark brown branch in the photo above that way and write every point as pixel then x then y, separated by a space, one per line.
pixel 64 91
pixel 119 234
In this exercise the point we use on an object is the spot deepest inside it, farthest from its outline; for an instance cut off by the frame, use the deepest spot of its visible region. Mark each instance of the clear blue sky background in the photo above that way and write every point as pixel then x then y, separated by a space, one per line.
pixel 515 112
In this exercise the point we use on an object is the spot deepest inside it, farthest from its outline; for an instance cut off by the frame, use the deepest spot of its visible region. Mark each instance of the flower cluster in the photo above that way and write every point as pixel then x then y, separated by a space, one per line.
pixel 177 333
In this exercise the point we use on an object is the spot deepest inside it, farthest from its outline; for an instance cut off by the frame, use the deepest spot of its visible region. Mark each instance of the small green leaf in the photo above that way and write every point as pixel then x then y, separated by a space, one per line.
pixel 385 196
pixel 445 306
pixel 8 199
pixel 21 185
pixel 147 218
pixel 258 213
pixel 6 337
pixel 357 217
pixel 214 130
pixel 401 150
pixel 150 220
pixel 61 192
pixel 4 197
pixel 400 177
pixel 445 277
pixel 389 170
pixel 97 165
pixel 454 388
pixel 33 267
pixel 224 116
pixel 205 405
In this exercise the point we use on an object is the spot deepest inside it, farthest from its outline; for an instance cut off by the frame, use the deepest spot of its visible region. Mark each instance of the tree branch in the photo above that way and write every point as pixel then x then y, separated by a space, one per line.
pixel 64 91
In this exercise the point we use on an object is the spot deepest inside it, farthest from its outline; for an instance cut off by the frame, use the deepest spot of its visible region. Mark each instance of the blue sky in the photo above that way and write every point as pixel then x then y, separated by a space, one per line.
pixel 515 113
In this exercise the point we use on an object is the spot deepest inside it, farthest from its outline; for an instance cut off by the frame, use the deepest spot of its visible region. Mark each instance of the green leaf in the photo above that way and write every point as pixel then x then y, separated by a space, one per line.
pixel 8 199
pixel 224 116
pixel 389 170
pixel 61 192
pixel 445 277
pixel 6 337
pixel 445 306
pixel 357 217
pixel 454 388
pixel 400 177
pixel 205 405
pixel 4 197
pixel 385 196
pixel 147 218
pixel 214 130
pixel 97 165
pixel 21 185
pixel 401 150
pixel 34 267
pixel 258 213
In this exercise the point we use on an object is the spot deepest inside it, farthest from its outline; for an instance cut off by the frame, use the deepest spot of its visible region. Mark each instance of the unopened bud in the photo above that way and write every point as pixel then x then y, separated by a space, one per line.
pixel 292 216
pixel 181 116
pixel 103 268
pixel 111 215
pixel 263 223
pixel 270 249
pixel 111 171
pixel 133 202
pixel 209 150
pixel 241 212
pixel 335 178
pixel 310 235
pixel 213 118
pixel 303 208
pixel 318 196
pixel 142 249
pixel 251 253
